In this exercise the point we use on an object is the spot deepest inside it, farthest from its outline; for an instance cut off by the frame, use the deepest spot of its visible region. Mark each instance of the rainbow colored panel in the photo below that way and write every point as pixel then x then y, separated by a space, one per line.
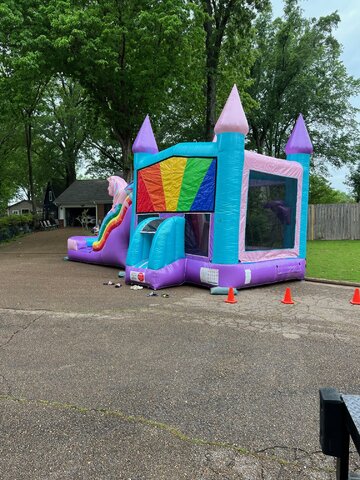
pixel 111 221
pixel 177 184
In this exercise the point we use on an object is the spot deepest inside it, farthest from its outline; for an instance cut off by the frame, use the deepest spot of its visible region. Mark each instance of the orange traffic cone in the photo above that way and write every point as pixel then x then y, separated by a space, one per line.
pixel 231 297
pixel 356 298
pixel 287 297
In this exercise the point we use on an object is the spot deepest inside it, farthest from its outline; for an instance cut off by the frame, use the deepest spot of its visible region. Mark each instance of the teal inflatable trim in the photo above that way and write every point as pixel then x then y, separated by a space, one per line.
pixel 138 158
pixel 139 248
pixel 304 160
pixel 228 193
pixel 291 186
pixel 90 241
pixel 200 149
pixel 160 249
pixel 168 244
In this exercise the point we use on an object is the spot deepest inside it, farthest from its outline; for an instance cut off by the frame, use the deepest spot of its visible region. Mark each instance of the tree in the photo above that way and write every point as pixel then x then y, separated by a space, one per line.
pixel 20 99
pixel 82 76
pixel 298 69
pixel 322 192
pixel 353 181
pixel 65 124
pixel 128 56
pixel 9 144
pixel 104 152
pixel 53 110
pixel 134 58
pixel 23 79
pixel 224 20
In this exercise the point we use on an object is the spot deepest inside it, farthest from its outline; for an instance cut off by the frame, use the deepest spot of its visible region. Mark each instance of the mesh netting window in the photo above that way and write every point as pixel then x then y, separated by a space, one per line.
pixel 271 212
pixel 197 229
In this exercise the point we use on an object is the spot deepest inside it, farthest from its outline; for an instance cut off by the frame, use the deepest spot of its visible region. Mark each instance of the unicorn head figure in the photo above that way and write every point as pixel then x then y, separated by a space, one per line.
pixel 116 189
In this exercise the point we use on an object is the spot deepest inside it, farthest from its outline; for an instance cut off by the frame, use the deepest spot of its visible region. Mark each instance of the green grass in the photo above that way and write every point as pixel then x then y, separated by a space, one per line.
pixel 334 260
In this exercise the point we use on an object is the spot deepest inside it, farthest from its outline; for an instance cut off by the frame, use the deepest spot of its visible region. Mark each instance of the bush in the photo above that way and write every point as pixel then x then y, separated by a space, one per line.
pixel 13 225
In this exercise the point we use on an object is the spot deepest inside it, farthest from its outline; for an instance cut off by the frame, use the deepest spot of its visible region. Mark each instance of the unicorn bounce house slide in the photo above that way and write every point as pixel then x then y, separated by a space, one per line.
pixel 215 214
pixel 111 245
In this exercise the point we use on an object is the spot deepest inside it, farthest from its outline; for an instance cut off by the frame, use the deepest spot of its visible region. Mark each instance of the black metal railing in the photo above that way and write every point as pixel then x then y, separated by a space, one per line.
pixel 339 420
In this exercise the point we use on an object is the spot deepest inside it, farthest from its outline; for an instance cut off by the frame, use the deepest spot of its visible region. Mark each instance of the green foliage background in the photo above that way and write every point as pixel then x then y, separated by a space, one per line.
pixel 77 79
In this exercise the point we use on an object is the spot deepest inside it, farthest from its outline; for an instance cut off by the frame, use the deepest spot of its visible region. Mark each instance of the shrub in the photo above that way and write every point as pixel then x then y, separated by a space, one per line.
pixel 12 225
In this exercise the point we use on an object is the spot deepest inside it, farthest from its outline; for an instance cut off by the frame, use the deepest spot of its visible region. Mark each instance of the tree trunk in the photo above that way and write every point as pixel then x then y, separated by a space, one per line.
pixel 256 138
pixel 70 172
pixel 214 27
pixel 125 142
pixel 212 62
pixel 28 141
pixel 210 98
pixel 127 160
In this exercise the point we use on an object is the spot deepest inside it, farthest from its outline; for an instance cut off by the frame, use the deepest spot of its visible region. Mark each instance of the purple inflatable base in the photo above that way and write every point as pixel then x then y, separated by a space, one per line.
pixel 113 252
pixel 88 255
pixel 169 276
pixel 241 275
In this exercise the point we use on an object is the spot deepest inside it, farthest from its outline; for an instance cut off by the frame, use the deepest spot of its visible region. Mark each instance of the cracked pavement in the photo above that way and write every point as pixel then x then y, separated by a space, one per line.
pixel 105 383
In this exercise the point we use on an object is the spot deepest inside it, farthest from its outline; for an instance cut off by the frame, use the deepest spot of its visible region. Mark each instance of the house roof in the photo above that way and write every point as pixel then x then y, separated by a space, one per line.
pixel 27 202
pixel 24 203
pixel 85 192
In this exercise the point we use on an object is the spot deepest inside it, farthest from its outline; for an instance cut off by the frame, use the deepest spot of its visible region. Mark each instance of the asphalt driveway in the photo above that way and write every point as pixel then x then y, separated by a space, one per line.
pixel 105 383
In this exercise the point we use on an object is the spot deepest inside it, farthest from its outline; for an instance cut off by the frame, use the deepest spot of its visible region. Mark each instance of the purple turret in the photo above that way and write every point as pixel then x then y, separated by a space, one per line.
pixel 145 141
pixel 299 140
pixel 144 145
pixel 298 149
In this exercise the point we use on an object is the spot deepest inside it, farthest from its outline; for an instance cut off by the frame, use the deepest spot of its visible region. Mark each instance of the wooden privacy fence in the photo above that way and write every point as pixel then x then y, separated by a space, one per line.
pixel 339 221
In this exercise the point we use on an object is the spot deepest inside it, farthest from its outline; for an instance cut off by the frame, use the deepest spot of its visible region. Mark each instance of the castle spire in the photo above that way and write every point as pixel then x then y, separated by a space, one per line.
pixel 145 140
pixel 299 140
pixel 232 118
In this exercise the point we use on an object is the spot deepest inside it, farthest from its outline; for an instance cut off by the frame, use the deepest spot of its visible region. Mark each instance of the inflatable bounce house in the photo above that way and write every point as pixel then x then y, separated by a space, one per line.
pixel 212 214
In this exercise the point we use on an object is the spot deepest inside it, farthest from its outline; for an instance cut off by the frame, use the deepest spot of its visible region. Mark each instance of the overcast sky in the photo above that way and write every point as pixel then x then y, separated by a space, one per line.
pixel 348 34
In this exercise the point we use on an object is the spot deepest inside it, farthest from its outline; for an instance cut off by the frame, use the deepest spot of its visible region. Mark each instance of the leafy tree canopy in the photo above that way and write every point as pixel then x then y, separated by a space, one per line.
pixel 298 69
pixel 322 192
pixel 353 182
pixel 131 57
pixel 77 78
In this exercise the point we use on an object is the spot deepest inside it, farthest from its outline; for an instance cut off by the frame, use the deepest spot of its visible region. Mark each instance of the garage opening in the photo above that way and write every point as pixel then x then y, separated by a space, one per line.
pixel 73 216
